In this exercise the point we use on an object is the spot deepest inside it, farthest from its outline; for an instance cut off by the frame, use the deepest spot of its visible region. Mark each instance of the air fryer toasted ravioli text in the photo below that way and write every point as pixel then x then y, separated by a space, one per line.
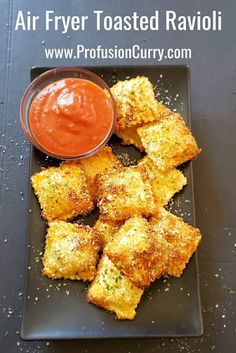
pixel 71 251
pixel 123 194
pixel 182 238
pixel 62 192
pixel 113 291
pixel 169 142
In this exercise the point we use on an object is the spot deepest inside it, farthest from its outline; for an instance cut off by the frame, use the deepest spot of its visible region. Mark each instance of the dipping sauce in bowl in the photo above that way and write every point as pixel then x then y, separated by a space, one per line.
pixel 71 116
pixel 68 117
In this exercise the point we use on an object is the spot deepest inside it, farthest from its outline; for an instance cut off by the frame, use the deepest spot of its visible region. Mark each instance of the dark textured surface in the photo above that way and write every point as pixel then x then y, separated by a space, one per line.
pixel 213 74
pixel 170 307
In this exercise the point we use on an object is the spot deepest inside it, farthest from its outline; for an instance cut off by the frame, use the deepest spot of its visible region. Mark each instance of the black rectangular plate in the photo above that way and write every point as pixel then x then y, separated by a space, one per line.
pixel 57 309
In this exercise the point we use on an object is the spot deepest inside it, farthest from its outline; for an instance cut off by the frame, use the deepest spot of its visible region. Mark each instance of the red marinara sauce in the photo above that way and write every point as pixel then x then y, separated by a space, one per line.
pixel 70 117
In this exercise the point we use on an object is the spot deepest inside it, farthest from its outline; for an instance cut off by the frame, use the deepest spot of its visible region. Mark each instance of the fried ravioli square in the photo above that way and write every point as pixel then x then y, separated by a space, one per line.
pixel 114 292
pixel 168 142
pixel 124 193
pixel 71 251
pixel 182 238
pixel 130 136
pixel 136 253
pixel 107 229
pixel 136 103
pixel 62 192
pixel 164 183
pixel 100 161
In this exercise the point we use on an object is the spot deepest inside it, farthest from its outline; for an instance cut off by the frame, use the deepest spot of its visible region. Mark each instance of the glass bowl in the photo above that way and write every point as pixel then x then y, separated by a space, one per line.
pixel 44 80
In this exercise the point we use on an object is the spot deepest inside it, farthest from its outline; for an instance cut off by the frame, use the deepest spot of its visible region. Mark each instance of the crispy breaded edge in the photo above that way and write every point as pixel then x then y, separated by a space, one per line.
pixel 128 269
pixel 176 253
pixel 150 172
pixel 139 85
pixel 123 215
pixel 188 154
pixel 113 227
pixel 104 154
pixel 96 244
pixel 104 305
pixel 142 262
pixel 73 213
pixel 172 268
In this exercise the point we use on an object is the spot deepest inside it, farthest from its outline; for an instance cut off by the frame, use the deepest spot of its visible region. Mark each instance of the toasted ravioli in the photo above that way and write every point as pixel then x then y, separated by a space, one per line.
pixel 164 183
pixel 136 253
pixel 98 163
pixel 71 251
pixel 136 103
pixel 124 193
pixel 107 229
pixel 182 238
pixel 130 136
pixel 168 142
pixel 62 192
pixel 113 291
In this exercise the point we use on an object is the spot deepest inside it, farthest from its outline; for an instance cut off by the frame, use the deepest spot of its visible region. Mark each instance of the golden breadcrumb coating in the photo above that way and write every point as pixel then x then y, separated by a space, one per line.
pixel 114 292
pixel 136 253
pixel 164 183
pixel 100 161
pixel 169 142
pixel 182 237
pixel 140 240
pixel 136 103
pixel 107 229
pixel 71 251
pixel 62 192
pixel 124 193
